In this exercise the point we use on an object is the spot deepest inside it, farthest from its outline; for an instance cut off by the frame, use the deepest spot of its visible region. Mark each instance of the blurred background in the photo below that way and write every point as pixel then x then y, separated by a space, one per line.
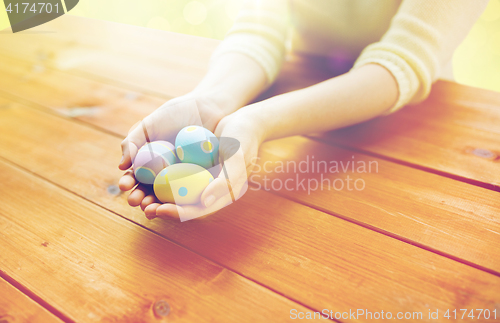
pixel 476 62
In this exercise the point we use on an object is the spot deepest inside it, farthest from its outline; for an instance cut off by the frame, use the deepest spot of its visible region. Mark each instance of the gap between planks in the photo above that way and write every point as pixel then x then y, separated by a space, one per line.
pixel 27 303
pixel 390 234
pixel 402 162
pixel 32 296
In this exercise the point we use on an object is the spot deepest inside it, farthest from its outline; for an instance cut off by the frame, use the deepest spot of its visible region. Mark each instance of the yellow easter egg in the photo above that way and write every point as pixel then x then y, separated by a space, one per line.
pixel 181 184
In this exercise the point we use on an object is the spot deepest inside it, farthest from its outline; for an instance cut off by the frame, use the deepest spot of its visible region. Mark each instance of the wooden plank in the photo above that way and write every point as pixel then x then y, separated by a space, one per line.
pixel 410 217
pixel 76 97
pixel 94 266
pixel 470 107
pixel 135 56
pixel 17 307
pixel 309 256
pixel 458 140
pixel 434 212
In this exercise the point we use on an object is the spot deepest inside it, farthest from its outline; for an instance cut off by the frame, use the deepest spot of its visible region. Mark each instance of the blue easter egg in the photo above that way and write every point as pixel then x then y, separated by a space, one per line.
pixel 197 145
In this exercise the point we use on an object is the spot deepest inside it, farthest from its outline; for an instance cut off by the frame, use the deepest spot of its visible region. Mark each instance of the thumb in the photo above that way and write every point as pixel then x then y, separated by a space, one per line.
pixel 232 181
pixel 218 190
pixel 137 137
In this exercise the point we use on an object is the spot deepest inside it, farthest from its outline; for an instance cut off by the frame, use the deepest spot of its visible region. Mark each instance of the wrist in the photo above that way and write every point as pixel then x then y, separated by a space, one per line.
pixel 251 116
pixel 219 99
pixel 233 80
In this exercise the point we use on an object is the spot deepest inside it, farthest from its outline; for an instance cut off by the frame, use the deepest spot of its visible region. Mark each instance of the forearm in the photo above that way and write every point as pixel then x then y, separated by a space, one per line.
pixel 345 100
pixel 233 80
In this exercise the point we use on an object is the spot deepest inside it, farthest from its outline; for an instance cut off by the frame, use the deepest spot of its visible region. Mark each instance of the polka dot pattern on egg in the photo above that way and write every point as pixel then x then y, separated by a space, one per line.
pixel 197 145
pixel 151 159
pixel 207 146
pixel 181 183
pixel 183 191
pixel 180 153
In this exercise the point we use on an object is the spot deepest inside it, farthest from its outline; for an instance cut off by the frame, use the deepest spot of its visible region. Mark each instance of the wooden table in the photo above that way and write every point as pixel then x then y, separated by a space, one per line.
pixel 423 235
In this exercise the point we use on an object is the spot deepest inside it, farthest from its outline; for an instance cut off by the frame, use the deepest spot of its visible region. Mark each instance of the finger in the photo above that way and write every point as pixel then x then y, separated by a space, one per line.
pixel 234 169
pixel 137 137
pixel 220 126
pixel 138 123
pixel 180 112
pixel 150 210
pixel 217 189
pixel 169 211
pixel 198 211
pixel 127 182
pixel 148 200
pixel 129 150
pixel 185 212
pixel 135 198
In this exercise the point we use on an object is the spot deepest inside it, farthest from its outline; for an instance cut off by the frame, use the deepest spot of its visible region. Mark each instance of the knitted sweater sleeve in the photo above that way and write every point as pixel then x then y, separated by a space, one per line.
pixel 420 41
pixel 259 32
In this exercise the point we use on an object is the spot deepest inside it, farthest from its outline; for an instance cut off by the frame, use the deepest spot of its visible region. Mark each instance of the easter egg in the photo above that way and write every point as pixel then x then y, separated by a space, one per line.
pixel 197 145
pixel 151 159
pixel 181 183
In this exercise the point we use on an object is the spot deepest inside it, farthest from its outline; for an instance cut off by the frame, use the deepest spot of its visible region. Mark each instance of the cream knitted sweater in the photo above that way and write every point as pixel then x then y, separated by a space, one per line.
pixel 413 39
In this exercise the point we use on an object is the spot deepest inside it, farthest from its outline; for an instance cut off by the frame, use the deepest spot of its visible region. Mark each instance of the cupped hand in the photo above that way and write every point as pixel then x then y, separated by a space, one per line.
pixel 163 124
pixel 240 135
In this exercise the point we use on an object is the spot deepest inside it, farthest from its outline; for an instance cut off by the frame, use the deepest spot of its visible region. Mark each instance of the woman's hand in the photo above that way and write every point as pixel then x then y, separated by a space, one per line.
pixel 240 135
pixel 164 124
pixel 231 82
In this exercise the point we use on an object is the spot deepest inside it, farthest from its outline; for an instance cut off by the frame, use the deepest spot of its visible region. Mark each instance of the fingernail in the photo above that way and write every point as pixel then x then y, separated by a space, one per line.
pixel 121 161
pixel 209 200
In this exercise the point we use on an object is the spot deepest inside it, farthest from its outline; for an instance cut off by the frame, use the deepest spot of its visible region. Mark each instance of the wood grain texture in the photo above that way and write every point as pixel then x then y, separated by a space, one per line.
pixel 398 200
pixel 457 140
pixel 76 97
pixel 148 60
pixel 437 213
pixel 309 256
pixel 16 307
pixel 94 266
